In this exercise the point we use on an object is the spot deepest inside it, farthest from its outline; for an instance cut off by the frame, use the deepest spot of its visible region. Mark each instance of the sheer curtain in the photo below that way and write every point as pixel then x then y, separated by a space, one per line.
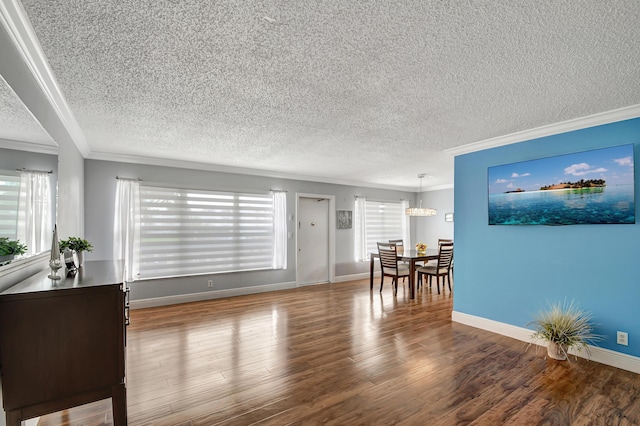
pixel 34 211
pixel 126 227
pixel 279 230
pixel 360 231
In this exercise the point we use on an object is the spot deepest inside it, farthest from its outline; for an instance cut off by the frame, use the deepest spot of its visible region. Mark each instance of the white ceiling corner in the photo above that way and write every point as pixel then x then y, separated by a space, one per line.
pixel 19 127
pixel 15 21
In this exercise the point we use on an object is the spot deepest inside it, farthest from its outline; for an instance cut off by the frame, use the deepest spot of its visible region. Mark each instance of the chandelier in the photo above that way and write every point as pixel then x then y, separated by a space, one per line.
pixel 420 211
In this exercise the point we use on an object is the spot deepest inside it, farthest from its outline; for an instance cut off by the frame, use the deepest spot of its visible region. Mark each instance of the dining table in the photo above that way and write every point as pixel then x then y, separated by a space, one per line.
pixel 411 256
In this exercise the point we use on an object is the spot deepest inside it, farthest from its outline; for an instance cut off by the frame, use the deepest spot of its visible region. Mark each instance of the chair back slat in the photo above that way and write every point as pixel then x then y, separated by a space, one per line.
pixel 388 256
pixel 445 255
pixel 399 246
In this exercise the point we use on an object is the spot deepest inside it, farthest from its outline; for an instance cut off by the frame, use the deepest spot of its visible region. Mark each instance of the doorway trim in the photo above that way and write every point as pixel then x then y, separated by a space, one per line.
pixel 332 232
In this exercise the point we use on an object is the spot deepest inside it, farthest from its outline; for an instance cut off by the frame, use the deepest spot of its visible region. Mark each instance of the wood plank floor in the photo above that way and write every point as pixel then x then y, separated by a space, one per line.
pixel 340 354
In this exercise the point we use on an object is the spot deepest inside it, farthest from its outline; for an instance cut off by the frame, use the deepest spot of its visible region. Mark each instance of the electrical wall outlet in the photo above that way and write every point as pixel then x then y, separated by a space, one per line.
pixel 623 338
pixel 210 283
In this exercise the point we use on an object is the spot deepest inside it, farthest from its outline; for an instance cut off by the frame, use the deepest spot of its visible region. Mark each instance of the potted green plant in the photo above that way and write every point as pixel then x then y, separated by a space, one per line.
pixel 564 326
pixel 10 249
pixel 78 245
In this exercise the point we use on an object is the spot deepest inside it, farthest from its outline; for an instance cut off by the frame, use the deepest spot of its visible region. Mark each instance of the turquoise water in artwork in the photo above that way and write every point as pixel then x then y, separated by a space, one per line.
pixel 613 204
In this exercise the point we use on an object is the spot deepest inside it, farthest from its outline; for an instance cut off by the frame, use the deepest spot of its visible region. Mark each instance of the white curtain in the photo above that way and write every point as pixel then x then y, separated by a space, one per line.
pixel 126 227
pixel 360 231
pixel 406 225
pixel 279 230
pixel 34 210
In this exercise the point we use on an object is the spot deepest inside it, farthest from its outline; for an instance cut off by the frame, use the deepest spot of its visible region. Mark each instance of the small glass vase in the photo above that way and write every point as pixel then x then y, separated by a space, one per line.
pixel 54 264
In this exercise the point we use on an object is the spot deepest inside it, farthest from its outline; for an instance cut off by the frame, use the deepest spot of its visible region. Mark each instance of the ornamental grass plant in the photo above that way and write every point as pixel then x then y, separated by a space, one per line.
pixel 566 325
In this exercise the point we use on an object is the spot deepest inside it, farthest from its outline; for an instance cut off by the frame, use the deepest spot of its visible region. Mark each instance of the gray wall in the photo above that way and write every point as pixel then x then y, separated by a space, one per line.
pixel 429 229
pixel 70 192
pixel 11 159
pixel 100 186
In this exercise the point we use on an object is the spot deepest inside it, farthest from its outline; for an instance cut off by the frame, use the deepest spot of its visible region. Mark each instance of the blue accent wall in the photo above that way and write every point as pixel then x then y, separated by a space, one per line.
pixel 509 273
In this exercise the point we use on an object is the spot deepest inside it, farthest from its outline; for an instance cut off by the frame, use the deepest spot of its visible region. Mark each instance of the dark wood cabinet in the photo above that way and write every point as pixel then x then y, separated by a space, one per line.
pixel 62 342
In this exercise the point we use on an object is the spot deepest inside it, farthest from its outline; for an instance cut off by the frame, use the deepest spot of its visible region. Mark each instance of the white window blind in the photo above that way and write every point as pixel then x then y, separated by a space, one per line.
pixel 384 222
pixel 188 232
pixel 9 196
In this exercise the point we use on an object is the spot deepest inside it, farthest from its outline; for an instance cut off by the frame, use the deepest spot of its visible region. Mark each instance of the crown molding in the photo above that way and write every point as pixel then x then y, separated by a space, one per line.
pixel 14 19
pixel 438 187
pixel 612 116
pixel 30 147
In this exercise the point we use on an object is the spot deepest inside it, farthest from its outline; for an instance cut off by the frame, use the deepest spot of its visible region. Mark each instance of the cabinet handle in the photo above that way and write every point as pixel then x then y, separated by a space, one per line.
pixel 127 319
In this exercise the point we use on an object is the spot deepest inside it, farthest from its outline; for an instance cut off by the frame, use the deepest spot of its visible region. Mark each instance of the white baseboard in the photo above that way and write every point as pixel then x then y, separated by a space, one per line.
pixel 601 355
pixel 219 294
pixel 208 295
pixel 312 284
pixel 355 277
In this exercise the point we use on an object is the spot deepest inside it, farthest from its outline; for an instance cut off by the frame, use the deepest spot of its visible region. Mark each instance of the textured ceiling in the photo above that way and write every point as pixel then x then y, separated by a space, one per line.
pixel 368 92
pixel 18 125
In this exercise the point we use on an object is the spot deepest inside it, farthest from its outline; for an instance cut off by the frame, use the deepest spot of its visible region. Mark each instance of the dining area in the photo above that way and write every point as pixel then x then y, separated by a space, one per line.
pixel 397 261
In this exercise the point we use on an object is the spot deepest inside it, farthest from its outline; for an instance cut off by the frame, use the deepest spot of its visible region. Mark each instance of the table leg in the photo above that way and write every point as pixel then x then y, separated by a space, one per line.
pixel 412 283
pixel 371 262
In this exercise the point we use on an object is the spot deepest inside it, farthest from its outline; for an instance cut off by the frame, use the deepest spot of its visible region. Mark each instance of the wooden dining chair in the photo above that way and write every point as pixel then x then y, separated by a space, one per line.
pixel 440 241
pixel 390 266
pixel 398 243
pixel 441 269
pixel 400 248
pixel 447 240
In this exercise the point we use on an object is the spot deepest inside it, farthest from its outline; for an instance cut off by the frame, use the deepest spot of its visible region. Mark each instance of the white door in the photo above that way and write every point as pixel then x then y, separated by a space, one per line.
pixel 313 241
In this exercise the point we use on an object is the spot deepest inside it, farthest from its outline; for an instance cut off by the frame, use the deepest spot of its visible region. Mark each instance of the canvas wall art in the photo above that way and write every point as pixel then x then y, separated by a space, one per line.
pixel 590 187
pixel 343 219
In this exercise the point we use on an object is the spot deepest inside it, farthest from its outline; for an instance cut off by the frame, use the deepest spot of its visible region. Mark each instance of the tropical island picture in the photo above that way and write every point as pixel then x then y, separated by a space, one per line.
pixel 591 187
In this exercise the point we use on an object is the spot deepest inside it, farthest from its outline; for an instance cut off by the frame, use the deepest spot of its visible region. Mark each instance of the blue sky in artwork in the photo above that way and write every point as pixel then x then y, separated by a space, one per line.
pixel 614 165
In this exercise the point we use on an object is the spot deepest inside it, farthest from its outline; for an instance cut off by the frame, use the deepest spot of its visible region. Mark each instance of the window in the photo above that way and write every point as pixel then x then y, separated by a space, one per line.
pixel 26 209
pixel 378 221
pixel 9 196
pixel 187 232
